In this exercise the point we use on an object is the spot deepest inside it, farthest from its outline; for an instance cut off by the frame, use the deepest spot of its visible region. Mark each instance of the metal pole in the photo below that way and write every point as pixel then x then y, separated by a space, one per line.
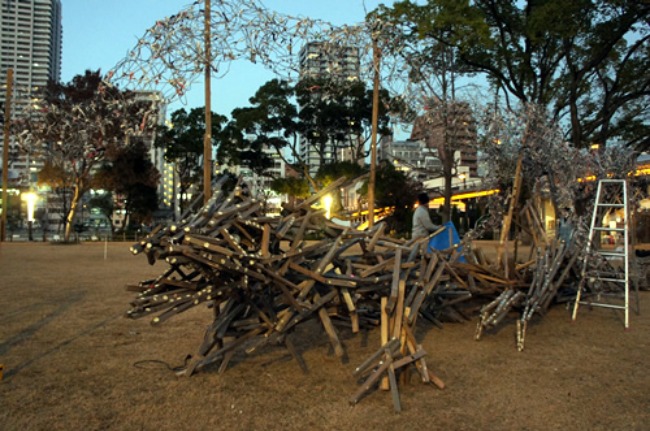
pixel 376 54
pixel 207 139
pixel 5 153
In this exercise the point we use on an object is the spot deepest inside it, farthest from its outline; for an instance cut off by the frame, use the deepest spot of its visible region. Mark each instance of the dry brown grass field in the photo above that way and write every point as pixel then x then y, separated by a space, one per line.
pixel 72 361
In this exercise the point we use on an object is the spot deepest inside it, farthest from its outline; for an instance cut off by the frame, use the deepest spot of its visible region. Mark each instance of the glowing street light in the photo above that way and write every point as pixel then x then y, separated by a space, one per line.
pixel 327 203
pixel 463 178
pixel 30 198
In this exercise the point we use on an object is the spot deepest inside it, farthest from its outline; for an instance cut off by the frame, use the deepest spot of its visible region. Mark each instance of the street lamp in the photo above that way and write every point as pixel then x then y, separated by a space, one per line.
pixel 30 199
pixel 327 203
pixel 463 177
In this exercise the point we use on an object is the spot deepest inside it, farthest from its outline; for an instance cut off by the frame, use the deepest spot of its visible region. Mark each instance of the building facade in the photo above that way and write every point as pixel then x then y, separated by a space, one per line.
pixel 450 127
pixel 30 44
pixel 260 185
pixel 410 156
pixel 325 60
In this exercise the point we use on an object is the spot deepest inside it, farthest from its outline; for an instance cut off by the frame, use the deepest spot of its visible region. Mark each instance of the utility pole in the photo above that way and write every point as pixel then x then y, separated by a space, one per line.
pixel 376 55
pixel 5 153
pixel 207 138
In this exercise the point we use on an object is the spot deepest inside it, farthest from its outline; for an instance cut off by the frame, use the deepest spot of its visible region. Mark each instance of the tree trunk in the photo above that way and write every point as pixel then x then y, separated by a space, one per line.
pixel 446 215
pixel 310 179
pixel 74 202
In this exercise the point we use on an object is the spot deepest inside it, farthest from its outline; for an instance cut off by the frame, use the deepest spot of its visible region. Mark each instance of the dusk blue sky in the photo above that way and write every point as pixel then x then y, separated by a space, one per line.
pixel 97 34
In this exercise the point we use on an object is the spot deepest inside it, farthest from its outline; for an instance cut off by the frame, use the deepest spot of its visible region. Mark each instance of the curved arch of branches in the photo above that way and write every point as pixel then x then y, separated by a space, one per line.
pixel 171 55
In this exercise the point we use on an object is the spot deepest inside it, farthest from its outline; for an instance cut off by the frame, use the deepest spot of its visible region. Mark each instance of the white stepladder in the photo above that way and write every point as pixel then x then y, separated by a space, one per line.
pixel 601 276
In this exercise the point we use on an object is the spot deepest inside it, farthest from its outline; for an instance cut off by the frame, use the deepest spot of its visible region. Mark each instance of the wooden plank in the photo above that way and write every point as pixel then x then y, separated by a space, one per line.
pixel 307 272
pixel 437 381
pixel 418 352
pixel 393 385
pixel 416 305
pixel 399 312
pixel 306 312
pixel 381 266
pixel 451 271
pixel 266 238
pixel 340 280
pixel 296 355
pixel 371 381
pixel 431 265
pixel 349 302
pixel 391 345
pixel 300 233
pixel 283 228
pixel 231 241
pixel 208 244
pixel 330 330
pixel 327 259
pixel 394 288
pixel 378 233
pixel 384 330
pixel 435 278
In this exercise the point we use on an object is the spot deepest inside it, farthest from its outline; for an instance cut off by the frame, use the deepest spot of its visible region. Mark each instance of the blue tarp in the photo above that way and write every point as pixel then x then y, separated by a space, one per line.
pixel 446 239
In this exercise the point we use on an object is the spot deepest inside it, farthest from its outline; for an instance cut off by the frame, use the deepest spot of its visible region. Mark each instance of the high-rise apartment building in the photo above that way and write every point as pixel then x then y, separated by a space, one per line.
pixel 30 44
pixel 328 60
pixel 325 60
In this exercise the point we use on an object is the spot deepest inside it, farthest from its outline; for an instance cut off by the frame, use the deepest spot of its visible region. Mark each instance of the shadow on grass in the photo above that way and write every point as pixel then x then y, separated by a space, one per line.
pixel 28 332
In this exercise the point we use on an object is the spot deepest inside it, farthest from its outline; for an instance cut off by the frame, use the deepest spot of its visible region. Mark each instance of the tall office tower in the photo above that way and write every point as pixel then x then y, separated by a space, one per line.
pixel 30 44
pixel 324 60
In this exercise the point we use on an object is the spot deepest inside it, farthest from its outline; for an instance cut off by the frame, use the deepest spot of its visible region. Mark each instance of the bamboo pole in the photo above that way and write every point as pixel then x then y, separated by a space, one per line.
pixel 376 55
pixel 207 138
pixel 503 240
pixel 5 153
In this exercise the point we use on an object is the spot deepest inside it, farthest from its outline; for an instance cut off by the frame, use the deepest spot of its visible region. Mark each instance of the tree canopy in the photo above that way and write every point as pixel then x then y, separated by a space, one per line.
pixel 395 189
pixel 586 61
pixel 326 114
pixel 129 173
pixel 78 122
pixel 182 141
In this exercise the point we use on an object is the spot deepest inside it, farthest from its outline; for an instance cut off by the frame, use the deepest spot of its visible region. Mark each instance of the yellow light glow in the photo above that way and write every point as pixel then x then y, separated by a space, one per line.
pixel 30 198
pixel 327 203
pixel 461 196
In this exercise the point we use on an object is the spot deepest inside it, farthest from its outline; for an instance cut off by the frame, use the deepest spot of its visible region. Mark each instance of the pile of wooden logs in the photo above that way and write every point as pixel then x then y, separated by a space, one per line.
pixel 263 276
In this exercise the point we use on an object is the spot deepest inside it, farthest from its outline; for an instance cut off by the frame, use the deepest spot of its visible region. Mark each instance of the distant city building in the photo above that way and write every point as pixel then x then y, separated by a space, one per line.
pixel 450 124
pixel 325 60
pixel 411 156
pixel 157 154
pixel 30 44
pixel 329 60
pixel 260 186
